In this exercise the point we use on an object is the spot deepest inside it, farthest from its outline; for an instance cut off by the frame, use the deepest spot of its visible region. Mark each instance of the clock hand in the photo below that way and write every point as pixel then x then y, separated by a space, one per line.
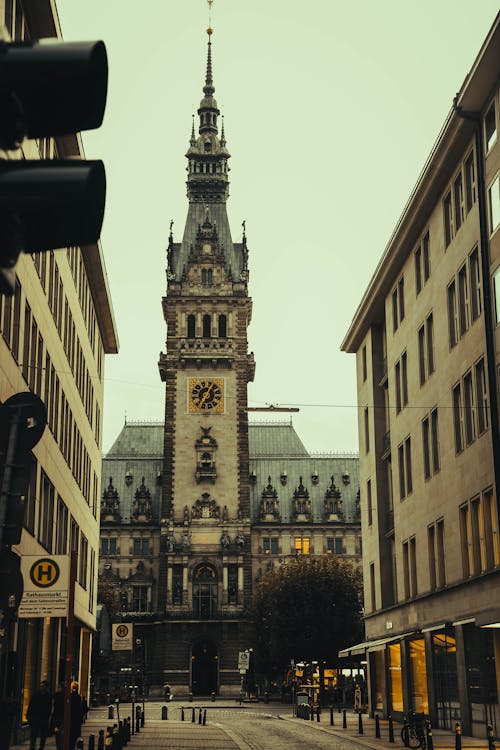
pixel 207 394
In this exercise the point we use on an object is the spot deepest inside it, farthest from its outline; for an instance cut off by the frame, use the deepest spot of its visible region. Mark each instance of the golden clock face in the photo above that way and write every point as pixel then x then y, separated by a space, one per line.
pixel 206 395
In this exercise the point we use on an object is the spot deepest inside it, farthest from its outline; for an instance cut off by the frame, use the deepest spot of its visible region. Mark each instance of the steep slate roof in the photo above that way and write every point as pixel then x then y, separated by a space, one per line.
pixel 268 439
pixel 274 448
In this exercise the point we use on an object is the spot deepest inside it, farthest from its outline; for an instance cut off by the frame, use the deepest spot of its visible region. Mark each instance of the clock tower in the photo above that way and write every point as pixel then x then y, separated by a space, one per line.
pixel 205 555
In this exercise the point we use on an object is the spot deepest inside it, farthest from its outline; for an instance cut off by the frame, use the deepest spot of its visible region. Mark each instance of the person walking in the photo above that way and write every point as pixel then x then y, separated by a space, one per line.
pixel 75 715
pixel 57 718
pixel 38 713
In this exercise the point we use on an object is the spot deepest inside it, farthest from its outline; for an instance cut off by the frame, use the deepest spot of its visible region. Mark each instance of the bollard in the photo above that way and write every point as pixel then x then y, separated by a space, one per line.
pixel 100 740
pixel 428 732
pixel 344 719
pixel 79 743
pixel 199 716
pixel 458 736
pixel 266 697
pixel 391 729
pixel 190 697
pixel 91 741
pixel 331 716
pixel 164 713
pixel 204 717
pixel 213 697
pixel 111 712
pixel 317 713
pixel 360 723
pixel 311 716
pixel 192 716
pixel 491 738
pixel 182 713
pixel 377 727
pixel 143 718
pixel 129 729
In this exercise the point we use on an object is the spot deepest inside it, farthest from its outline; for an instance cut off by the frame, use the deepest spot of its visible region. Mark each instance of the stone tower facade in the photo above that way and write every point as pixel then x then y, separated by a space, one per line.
pixel 205 563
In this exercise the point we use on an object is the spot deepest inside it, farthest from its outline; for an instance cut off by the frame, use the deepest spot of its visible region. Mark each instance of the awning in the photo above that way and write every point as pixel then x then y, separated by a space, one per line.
pixel 361 648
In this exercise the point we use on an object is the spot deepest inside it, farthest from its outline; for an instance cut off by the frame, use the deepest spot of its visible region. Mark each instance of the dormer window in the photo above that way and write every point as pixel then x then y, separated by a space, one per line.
pixel 191 324
pixel 206 276
pixel 207 326
pixel 208 146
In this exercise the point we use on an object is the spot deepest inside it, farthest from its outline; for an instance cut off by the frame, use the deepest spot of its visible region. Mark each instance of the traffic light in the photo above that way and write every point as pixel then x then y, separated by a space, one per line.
pixel 22 421
pixel 49 88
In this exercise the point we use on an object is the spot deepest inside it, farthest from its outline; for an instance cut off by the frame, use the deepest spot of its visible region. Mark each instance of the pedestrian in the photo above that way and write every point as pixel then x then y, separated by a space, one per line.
pixel 57 718
pixel 38 713
pixel 75 715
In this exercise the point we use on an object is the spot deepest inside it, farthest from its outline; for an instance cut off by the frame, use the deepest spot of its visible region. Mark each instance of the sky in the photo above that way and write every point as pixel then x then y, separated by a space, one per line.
pixel 331 108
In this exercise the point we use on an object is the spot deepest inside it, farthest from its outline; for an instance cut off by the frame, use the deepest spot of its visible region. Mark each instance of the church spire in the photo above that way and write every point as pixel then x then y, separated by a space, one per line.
pixel 208 110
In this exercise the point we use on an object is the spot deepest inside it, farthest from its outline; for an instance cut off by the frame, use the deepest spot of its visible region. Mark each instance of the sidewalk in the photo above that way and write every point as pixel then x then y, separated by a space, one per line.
pixel 442 739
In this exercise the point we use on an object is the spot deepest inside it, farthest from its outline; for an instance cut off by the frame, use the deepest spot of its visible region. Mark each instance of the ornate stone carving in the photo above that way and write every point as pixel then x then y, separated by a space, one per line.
pixel 269 510
pixel 206 447
pixel 110 505
pixel 142 509
pixel 205 507
pixel 333 503
pixel 301 505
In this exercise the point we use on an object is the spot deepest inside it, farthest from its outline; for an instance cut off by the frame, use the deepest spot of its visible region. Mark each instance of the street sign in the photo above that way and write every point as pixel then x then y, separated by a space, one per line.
pixel 122 636
pixel 46 586
pixel 243 660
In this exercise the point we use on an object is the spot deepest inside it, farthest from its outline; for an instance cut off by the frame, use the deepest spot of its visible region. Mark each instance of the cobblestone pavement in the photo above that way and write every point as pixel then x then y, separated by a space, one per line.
pixel 254 726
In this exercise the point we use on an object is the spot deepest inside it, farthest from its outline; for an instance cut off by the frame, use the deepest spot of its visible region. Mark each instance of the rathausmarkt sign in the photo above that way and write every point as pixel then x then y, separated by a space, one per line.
pixel 46 585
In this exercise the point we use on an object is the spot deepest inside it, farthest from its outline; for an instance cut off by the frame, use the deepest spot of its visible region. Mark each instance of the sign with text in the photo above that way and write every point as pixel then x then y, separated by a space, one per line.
pixel 46 586
pixel 243 660
pixel 122 636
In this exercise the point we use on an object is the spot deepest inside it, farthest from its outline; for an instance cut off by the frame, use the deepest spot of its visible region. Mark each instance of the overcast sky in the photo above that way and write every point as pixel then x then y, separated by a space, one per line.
pixel 331 109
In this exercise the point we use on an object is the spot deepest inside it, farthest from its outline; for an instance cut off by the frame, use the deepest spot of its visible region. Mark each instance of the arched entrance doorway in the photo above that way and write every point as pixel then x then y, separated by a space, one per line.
pixel 204 660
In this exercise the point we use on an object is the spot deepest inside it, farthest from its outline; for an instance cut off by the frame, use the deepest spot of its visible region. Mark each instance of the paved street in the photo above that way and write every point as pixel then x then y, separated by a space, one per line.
pixel 231 726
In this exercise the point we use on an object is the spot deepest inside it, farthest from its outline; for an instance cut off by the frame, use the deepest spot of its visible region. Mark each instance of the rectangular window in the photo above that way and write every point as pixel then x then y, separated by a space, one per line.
pixel 404 378
pixel 470 182
pixel 496 292
pixel 475 526
pixel 441 570
pixel 275 549
pixel 395 320
pixel 302 545
pixel 82 572
pixel 491 530
pixel 397 381
pixel 490 127
pixel 475 284
pixel 494 204
pixel 418 269
pixel 458 418
pixel 266 545
pixel 430 343
pixel 401 298
pixel 436 464
pixel 46 518
pixel 421 354
pixel 363 355
pixel 409 481
pixel 458 200
pixel 431 546
pixel 464 539
pixel 448 220
pixel 426 447
pixel 369 502
pixel 140 599
pixel 177 586
pixel 232 584
pixel 401 467
pixel 367 431
pixel 463 300
pixel 406 570
pixel 481 397
pixel 413 567
pixel 141 547
pixel 426 255
pixel 372 587
pixel 452 314
pixel 62 528
pixel 470 416
pixel 339 545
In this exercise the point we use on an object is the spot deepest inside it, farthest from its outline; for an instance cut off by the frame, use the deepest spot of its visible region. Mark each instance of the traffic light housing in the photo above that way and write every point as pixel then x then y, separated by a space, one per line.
pixel 49 88
pixel 22 421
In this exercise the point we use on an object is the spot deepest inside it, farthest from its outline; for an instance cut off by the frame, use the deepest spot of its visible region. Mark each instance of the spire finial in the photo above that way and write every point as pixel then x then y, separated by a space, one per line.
pixel 222 135
pixel 193 137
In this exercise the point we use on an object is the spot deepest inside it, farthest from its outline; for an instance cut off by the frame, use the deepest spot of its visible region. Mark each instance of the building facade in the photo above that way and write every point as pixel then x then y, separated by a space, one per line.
pixel 199 507
pixel 299 504
pixel 427 341
pixel 55 332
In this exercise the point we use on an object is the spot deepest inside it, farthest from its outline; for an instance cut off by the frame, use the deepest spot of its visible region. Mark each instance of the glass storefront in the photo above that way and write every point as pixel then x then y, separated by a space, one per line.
pixel 377 671
pixel 419 698
pixel 395 677
pixel 444 664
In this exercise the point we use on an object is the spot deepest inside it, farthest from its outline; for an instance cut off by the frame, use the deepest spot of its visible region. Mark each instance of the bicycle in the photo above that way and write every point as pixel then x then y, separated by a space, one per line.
pixel 413 732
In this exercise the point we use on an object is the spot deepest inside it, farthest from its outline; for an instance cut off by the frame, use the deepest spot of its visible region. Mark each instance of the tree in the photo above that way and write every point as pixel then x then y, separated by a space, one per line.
pixel 107 594
pixel 308 609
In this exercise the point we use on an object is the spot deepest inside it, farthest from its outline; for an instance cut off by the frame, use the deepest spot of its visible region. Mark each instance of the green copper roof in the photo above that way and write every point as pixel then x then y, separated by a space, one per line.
pixel 274 439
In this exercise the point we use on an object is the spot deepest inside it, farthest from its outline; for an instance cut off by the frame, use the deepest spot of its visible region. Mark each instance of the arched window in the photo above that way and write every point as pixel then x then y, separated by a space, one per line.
pixel 207 326
pixel 191 326
pixel 222 326
pixel 205 585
